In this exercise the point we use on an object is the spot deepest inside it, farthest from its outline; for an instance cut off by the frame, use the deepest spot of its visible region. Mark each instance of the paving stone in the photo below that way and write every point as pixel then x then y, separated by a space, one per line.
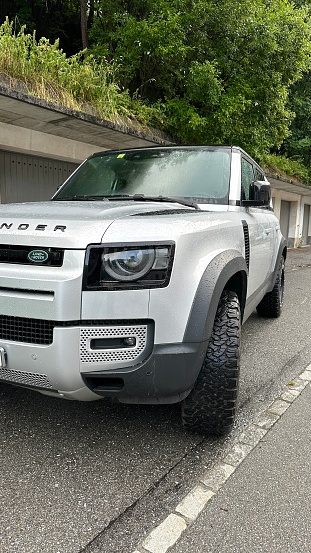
pixel 165 535
pixel 217 476
pixel 290 395
pixel 299 384
pixel 279 407
pixel 237 454
pixel 306 375
pixel 194 502
pixel 252 435
pixel 267 420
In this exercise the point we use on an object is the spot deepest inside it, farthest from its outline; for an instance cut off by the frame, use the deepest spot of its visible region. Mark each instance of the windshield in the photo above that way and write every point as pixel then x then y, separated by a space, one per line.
pixel 200 174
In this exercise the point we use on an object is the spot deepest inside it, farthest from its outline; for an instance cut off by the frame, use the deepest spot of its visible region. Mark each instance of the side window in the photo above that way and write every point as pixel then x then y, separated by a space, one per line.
pixel 258 174
pixel 247 178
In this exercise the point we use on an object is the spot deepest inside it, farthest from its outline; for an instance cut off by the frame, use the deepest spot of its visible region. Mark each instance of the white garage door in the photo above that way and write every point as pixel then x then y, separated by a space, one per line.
pixel 284 218
pixel 28 179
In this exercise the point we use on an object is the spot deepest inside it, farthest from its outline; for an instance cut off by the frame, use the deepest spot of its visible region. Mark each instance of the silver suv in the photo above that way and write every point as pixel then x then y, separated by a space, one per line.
pixel 133 281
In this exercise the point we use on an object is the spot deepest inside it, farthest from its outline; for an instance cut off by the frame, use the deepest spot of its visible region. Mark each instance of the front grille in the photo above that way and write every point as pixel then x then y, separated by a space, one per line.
pixel 31 255
pixel 28 379
pixel 22 329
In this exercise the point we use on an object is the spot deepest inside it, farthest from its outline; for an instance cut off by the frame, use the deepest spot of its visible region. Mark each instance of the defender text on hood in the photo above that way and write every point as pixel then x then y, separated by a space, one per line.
pixel 133 281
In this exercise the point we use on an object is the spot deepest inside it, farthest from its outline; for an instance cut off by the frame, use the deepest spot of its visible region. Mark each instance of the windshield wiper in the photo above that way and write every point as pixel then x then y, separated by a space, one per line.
pixel 135 198
pixel 83 198
pixel 143 198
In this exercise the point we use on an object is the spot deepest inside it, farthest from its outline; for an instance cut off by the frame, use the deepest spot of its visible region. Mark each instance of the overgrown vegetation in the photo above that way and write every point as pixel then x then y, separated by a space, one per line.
pixel 79 82
pixel 285 167
pixel 203 71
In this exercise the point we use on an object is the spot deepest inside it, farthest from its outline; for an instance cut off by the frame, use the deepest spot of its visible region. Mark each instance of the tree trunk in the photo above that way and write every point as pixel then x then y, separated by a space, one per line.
pixel 85 42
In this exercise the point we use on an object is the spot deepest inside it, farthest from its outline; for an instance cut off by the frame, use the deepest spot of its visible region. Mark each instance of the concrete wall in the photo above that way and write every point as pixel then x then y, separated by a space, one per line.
pixel 29 141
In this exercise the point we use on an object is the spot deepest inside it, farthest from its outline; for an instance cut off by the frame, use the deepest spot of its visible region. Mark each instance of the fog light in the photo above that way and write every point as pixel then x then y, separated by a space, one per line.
pixel 130 341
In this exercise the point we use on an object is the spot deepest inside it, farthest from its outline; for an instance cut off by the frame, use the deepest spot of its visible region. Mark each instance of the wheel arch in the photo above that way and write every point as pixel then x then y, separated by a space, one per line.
pixel 238 284
pixel 282 252
pixel 210 407
pixel 227 271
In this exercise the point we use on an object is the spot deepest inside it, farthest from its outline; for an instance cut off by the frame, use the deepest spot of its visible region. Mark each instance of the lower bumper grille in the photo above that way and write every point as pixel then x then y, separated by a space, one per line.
pixel 114 354
pixel 28 379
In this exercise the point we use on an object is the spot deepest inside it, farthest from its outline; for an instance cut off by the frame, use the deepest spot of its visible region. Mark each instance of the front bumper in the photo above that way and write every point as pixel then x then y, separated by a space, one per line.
pixel 86 362
pixel 167 376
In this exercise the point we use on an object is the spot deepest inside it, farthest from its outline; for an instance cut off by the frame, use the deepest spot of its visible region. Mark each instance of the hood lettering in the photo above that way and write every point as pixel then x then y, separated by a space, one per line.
pixel 5 225
pixel 25 226
pixel 60 227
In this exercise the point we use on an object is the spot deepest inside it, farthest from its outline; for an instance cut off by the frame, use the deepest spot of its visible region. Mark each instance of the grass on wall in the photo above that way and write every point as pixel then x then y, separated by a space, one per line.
pixel 80 82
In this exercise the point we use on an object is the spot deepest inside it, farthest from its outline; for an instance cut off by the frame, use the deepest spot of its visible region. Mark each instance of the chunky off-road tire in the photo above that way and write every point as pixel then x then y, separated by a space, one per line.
pixel 272 303
pixel 211 405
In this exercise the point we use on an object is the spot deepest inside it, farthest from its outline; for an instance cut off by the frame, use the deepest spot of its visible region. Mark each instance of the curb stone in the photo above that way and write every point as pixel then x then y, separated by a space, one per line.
pixel 167 533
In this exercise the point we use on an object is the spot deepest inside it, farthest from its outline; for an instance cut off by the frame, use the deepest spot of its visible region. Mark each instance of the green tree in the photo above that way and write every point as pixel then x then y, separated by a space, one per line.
pixel 218 70
pixel 298 144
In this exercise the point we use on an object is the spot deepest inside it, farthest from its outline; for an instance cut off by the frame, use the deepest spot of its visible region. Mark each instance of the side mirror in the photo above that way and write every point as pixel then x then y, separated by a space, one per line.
pixel 259 194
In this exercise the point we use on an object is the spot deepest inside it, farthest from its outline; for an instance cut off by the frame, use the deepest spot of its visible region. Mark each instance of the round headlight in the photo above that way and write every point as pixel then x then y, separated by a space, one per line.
pixel 128 264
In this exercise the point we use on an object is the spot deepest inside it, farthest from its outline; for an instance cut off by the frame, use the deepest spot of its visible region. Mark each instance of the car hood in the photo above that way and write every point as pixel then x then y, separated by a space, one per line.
pixel 71 224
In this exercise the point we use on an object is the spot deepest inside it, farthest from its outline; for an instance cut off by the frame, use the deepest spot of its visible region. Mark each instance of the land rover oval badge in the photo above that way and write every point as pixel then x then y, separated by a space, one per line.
pixel 38 256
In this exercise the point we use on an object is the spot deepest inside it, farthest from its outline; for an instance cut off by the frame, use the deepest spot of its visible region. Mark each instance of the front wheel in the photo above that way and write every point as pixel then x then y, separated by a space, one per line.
pixel 211 405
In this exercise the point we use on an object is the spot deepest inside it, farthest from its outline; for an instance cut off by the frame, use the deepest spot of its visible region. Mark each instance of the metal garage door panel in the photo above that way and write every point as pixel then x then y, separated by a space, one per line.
pixel 284 218
pixel 28 179
pixel 305 228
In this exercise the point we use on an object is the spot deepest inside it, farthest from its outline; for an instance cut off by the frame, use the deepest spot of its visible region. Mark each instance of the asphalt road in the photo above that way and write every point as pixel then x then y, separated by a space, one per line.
pixel 95 477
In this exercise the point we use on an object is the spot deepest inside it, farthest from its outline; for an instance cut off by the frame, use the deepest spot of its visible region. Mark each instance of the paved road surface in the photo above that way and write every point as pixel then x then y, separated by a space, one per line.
pixel 94 477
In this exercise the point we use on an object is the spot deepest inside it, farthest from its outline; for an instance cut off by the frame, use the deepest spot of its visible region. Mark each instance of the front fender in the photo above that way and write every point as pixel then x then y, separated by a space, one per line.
pixel 226 266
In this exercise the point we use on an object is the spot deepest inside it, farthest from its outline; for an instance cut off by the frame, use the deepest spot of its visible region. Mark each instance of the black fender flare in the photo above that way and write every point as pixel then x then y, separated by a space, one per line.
pixel 281 253
pixel 217 274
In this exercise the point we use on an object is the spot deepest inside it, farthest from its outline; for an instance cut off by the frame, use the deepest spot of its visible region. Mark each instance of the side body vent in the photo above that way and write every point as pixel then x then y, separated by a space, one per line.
pixel 246 242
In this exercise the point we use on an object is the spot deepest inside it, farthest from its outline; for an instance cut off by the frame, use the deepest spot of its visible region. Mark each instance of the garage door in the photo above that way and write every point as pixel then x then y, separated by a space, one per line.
pixel 305 228
pixel 284 218
pixel 28 179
